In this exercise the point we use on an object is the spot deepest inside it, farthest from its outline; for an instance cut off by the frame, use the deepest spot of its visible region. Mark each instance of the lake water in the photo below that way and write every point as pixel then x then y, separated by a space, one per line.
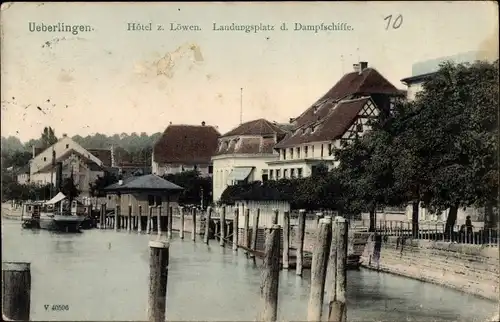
pixel 103 276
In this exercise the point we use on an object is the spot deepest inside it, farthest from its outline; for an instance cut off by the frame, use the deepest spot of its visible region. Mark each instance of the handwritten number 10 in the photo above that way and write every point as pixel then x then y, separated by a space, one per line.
pixel 396 24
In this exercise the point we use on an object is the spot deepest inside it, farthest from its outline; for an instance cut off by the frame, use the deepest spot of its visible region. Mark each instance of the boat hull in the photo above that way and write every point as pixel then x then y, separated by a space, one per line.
pixel 61 223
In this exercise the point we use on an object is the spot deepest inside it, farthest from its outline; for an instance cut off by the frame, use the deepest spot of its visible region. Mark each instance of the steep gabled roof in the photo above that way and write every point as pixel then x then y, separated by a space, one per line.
pixel 88 158
pixel 256 127
pixel 338 119
pixel 186 144
pixel 102 154
pixel 370 81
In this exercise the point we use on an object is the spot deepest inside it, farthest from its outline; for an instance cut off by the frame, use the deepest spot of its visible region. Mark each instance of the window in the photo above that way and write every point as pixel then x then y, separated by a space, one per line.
pixel 44 159
pixel 67 146
pixel 299 173
pixel 151 200
pixel 271 172
pixel 330 152
pixel 265 177
pixel 285 173
pixel 305 151
pixel 292 173
pixel 158 200
pixel 298 153
pixel 284 154
pixel 195 167
pixel 291 153
pixel 210 169
pixel 278 174
pixel 312 151
pixel 321 150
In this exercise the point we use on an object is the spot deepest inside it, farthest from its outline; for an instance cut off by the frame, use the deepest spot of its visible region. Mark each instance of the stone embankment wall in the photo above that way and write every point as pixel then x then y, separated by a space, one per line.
pixel 11 212
pixel 472 269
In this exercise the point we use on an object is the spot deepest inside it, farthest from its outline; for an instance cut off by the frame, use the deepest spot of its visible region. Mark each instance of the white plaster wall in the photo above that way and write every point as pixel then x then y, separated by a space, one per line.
pixel 162 169
pixel 413 89
pixel 222 167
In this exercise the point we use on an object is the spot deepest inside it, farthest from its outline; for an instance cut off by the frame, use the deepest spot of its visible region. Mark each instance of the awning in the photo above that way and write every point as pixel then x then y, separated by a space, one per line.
pixel 59 197
pixel 240 174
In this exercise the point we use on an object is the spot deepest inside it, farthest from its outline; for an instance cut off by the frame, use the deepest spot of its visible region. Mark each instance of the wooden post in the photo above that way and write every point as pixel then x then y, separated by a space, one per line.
pixel 338 310
pixel 246 230
pixel 117 212
pixel 275 216
pixel 331 271
pixel 235 229
pixel 286 239
pixel 149 217
pixel 158 219
pixel 129 219
pixel 102 218
pixel 181 229
pixel 207 225
pixel 270 275
pixel 139 220
pixel 222 239
pixel 158 276
pixel 193 237
pixel 170 221
pixel 255 230
pixel 16 291
pixel 300 247
pixel 318 270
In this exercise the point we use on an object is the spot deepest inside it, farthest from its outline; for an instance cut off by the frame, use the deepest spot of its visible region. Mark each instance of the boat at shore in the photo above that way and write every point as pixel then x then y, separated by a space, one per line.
pixel 56 214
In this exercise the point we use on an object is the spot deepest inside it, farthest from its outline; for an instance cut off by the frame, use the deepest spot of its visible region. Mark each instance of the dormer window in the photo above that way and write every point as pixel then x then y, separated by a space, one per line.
pixel 44 159
pixel 67 146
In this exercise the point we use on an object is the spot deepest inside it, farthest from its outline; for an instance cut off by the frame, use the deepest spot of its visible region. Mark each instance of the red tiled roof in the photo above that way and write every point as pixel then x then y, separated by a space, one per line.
pixel 186 144
pixel 256 127
pixel 102 154
pixel 337 120
pixel 370 81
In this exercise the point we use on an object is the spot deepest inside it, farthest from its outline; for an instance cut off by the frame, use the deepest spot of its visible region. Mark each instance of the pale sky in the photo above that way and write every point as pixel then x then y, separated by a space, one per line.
pixel 113 80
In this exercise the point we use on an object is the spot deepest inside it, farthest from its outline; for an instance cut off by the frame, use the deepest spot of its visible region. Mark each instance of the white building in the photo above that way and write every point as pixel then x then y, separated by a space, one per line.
pixel 184 148
pixel 341 114
pixel 76 161
pixel 243 154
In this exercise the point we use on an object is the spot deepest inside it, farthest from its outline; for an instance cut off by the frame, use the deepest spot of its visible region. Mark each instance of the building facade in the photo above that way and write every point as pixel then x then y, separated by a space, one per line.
pixel 183 148
pixel 340 115
pixel 243 153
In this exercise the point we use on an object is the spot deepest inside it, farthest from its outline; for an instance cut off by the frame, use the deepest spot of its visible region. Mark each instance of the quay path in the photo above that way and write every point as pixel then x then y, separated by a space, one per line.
pixel 102 275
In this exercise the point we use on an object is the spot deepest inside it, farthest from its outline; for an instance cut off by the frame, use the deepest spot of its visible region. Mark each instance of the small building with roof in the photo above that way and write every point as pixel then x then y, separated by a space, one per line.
pixel 147 190
pixel 339 115
pixel 183 148
pixel 243 152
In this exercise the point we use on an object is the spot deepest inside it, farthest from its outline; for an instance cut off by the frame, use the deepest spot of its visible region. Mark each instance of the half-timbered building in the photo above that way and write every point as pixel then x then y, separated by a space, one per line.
pixel 339 115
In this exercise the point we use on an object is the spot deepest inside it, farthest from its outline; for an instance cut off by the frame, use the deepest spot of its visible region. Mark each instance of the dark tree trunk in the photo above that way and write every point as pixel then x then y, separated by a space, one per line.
pixel 451 220
pixel 490 218
pixel 414 219
pixel 373 219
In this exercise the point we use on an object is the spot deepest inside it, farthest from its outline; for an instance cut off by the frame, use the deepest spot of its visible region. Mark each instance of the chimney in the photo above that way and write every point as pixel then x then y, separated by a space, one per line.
pixel 356 68
pixel 203 123
pixel 362 66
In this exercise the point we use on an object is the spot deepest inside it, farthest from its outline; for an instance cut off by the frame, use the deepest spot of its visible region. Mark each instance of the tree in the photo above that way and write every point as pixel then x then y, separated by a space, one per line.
pixel 196 187
pixel 97 187
pixel 48 137
pixel 69 189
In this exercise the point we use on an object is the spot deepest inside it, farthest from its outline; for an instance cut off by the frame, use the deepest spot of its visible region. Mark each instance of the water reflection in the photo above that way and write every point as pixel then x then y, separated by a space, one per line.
pixel 103 275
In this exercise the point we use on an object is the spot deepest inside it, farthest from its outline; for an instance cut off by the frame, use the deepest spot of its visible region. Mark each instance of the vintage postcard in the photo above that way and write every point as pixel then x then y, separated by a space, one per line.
pixel 250 161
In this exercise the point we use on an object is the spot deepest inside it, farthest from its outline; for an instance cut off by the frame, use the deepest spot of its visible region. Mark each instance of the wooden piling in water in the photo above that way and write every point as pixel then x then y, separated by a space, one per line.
pixel 16 291
pixel 158 219
pixel 255 230
pixel 275 216
pixel 331 271
pixel 246 222
pixel 300 247
pixel 193 237
pixel 222 238
pixel 117 211
pixel 139 220
pixel 149 218
pixel 337 308
pixel 318 270
pixel 170 219
pixel 270 276
pixel 158 276
pixel 102 217
pixel 207 225
pixel 129 219
pixel 286 239
pixel 181 229
pixel 235 229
